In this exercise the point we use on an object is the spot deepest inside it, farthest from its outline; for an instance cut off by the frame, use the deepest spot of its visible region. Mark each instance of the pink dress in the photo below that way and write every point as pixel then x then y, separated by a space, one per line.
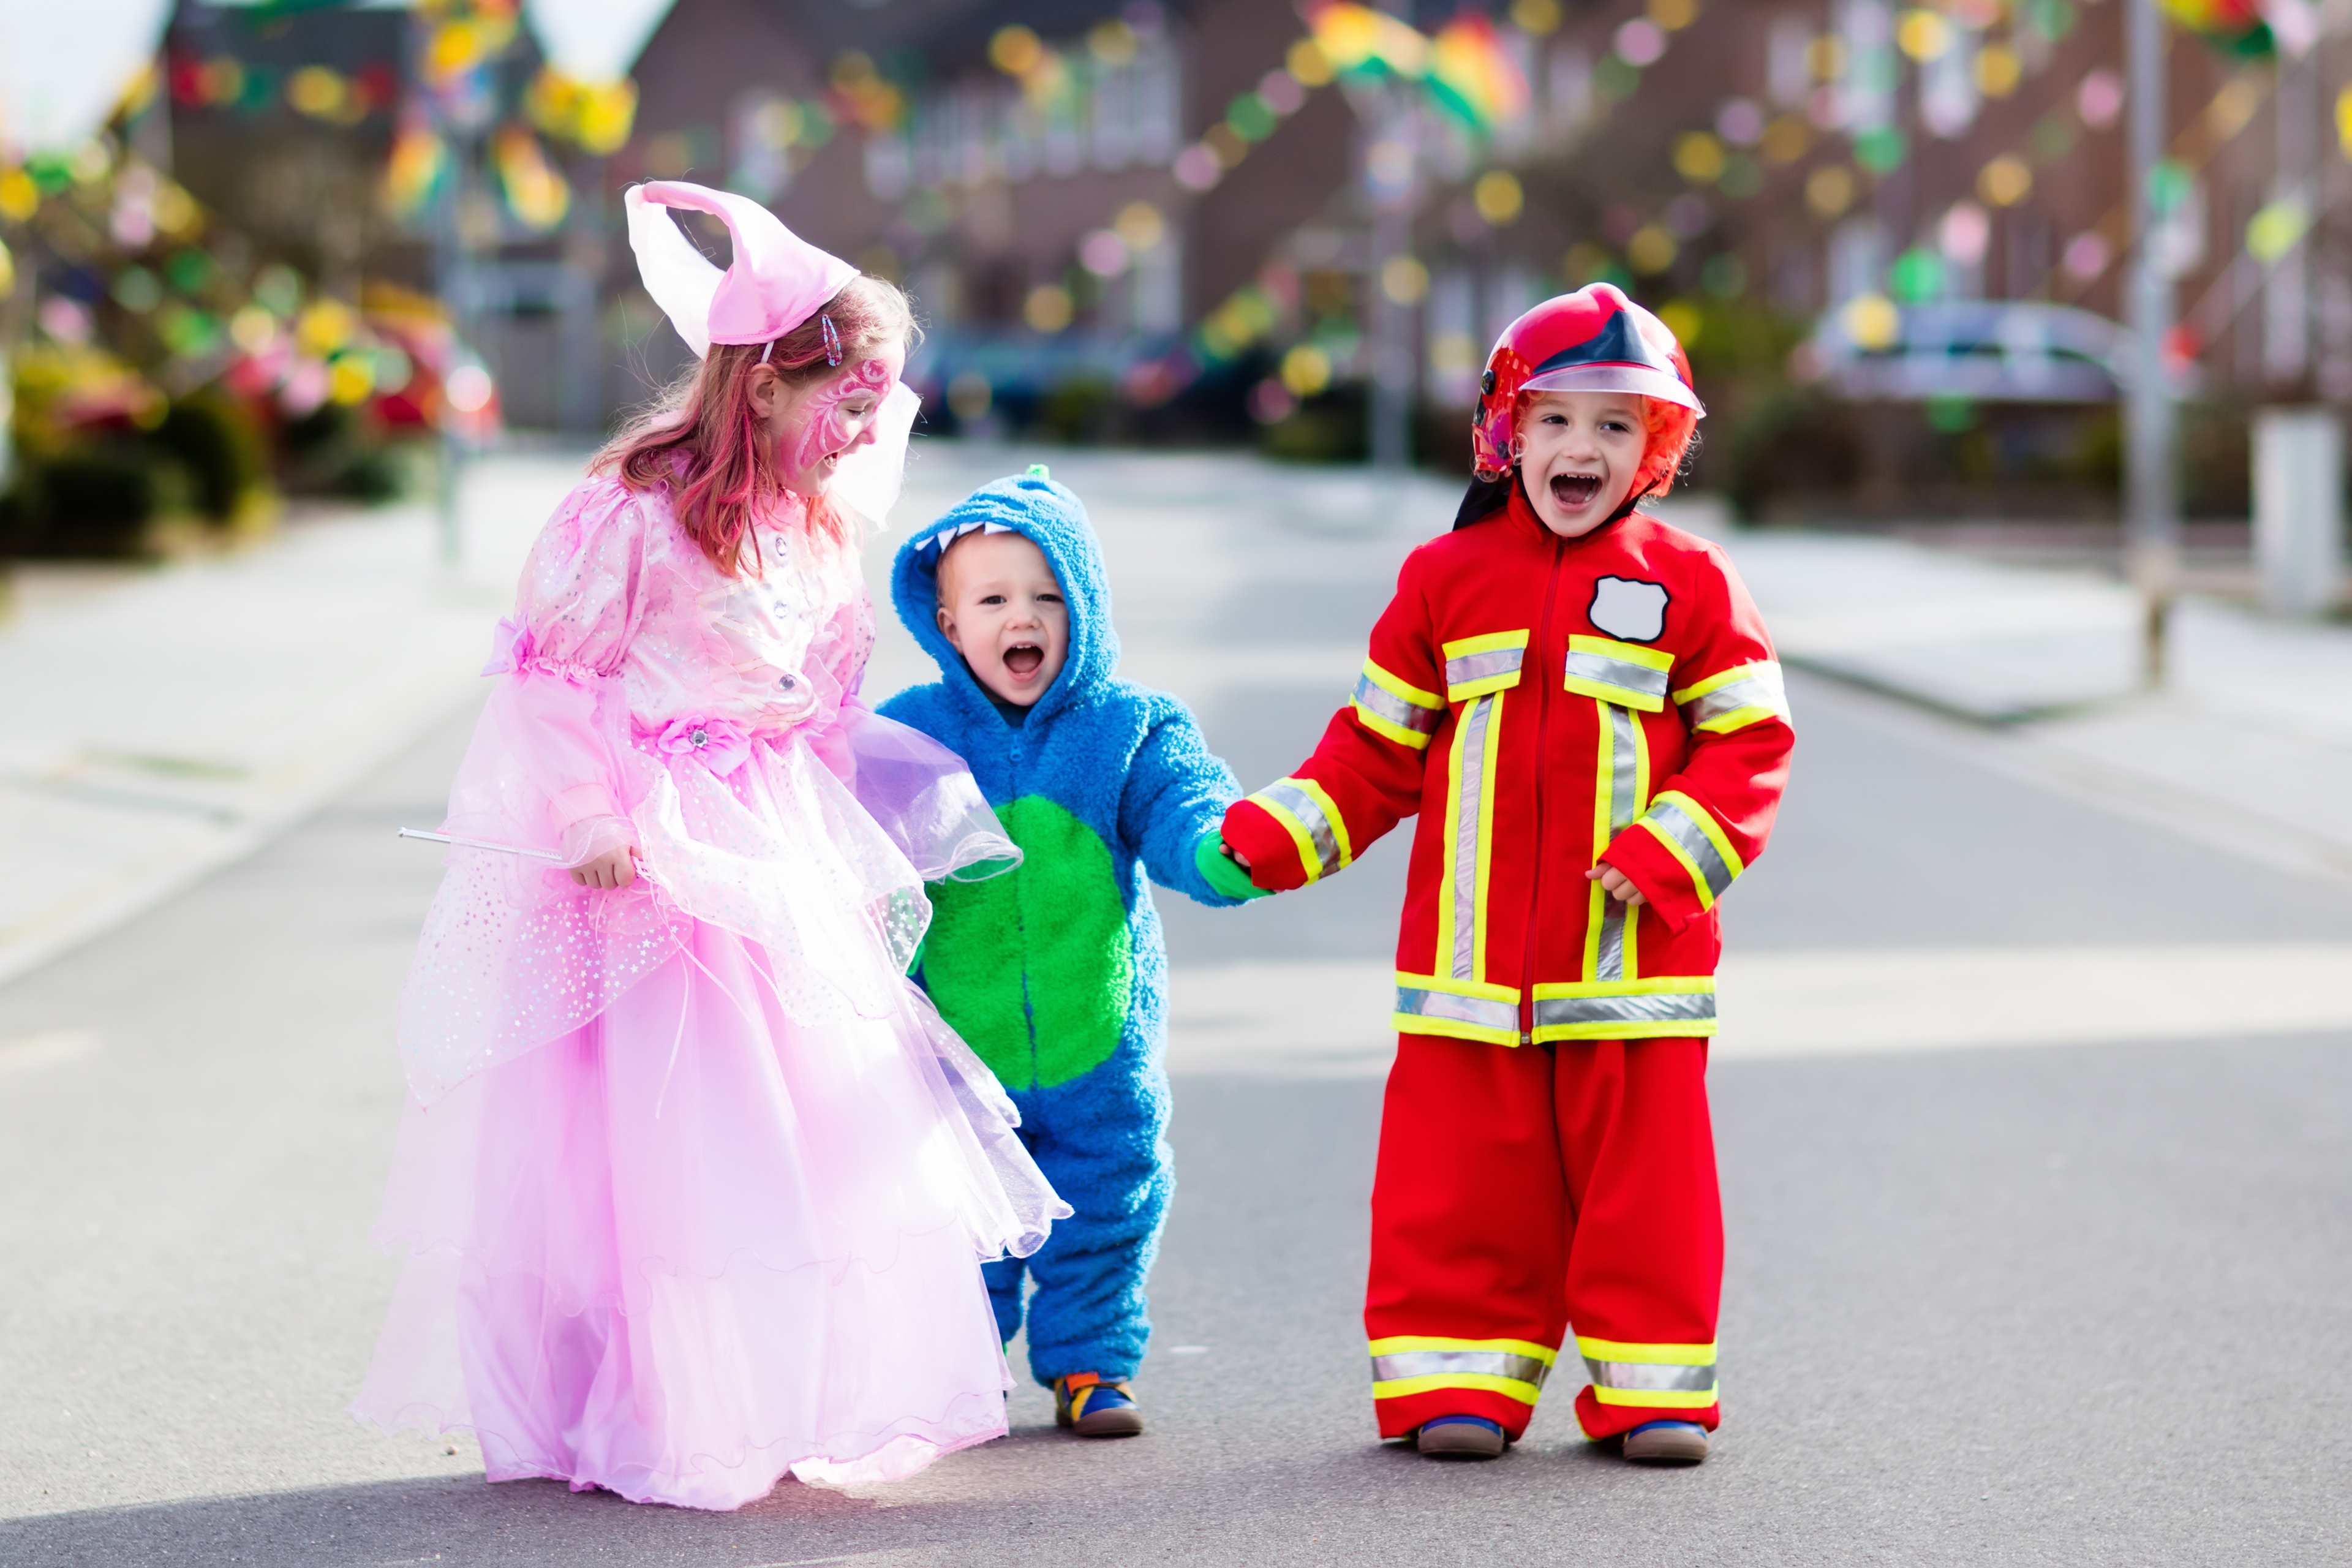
pixel 692 1183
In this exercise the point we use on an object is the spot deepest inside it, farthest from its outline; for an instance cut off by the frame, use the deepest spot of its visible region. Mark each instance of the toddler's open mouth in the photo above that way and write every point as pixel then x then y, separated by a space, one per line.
pixel 1022 658
pixel 1574 490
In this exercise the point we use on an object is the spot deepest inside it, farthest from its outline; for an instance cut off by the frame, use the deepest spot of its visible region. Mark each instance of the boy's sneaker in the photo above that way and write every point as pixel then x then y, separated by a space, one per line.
pixel 1092 1408
pixel 1666 1443
pixel 1461 1438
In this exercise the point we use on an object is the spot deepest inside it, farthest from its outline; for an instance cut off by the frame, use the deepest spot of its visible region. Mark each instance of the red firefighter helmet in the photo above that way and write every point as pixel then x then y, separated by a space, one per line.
pixel 1594 340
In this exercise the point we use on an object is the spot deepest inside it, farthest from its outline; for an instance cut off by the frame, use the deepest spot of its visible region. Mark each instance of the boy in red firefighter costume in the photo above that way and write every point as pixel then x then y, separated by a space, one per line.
pixel 1583 706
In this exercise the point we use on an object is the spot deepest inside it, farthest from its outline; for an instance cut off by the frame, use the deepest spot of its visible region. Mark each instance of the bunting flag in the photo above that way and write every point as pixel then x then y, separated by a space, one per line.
pixel 419 161
pixel 535 192
pixel 1471 75
pixel 1465 69
pixel 584 93
pixel 2252 29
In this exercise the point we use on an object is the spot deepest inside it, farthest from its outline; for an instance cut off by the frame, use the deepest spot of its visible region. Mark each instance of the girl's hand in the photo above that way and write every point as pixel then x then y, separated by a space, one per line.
pixel 1616 884
pixel 612 869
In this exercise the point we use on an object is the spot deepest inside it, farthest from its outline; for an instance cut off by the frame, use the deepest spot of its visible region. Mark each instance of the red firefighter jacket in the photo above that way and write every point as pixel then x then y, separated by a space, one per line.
pixel 1544 704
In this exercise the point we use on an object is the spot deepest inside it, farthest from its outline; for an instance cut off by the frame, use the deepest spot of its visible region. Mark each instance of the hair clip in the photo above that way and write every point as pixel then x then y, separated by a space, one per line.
pixel 831 340
pixel 766 348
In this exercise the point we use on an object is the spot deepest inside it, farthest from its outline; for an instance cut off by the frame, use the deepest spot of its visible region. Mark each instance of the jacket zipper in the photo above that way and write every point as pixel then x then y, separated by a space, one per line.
pixel 1543 753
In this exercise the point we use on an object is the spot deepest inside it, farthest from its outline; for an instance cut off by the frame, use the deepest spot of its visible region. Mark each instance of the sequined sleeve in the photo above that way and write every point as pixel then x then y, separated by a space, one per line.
pixel 579 600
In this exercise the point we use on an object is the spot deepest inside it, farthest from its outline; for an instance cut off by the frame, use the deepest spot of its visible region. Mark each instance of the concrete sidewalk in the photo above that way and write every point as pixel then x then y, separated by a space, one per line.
pixel 155 725
pixel 151 729
pixel 2248 744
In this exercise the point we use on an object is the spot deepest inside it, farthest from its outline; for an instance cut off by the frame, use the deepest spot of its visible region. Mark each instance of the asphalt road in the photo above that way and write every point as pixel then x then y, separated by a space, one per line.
pixel 2074 1304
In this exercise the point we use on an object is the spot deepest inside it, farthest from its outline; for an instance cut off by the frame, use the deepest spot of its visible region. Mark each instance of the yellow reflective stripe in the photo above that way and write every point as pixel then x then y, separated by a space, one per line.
pixel 1405 1364
pixel 1468 845
pixel 1691 834
pixel 1405 1023
pixel 1336 825
pixel 1649 658
pixel 1662 1007
pixel 1621 784
pixel 1299 835
pixel 1399 1344
pixel 1668 1377
pixel 1476 665
pixel 1492 760
pixel 1525 1393
pixel 1625 673
pixel 1379 724
pixel 1313 823
pixel 1743 695
pixel 1395 710
pixel 1656 1400
pixel 1661 1355
pixel 1403 690
pixel 1490 642
pixel 1447 986
pixel 1456 1009
pixel 1722 678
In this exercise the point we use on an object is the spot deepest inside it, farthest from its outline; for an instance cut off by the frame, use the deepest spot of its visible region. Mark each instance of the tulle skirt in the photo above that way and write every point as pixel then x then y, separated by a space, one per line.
pixel 694 1245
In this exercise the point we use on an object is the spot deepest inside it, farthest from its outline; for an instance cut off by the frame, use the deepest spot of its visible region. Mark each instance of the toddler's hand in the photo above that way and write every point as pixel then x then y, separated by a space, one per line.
pixel 1616 884
pixel 1223 870
pixel 612 869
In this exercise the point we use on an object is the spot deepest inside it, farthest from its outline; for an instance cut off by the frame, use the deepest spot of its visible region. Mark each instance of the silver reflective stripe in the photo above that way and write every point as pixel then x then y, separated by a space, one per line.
pixel 1696 844
pixel 1764 688
pixel 1377 698
pixel 1651 1377
pixel 1471 747
pixel 1609 963
pixel 1602 670
pixel 1478 1010
pixel 1303 807
pixel 1473 667
pixel 1459 1364
pixel 1666 1007
pixel 1624 757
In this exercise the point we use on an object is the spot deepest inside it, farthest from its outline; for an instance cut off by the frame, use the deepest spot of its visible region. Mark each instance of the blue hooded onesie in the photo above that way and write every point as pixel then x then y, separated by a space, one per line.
pixel 1055 975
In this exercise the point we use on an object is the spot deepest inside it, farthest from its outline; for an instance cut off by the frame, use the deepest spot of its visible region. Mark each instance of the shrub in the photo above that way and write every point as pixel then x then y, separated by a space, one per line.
pixel 94 504
pixel 217 442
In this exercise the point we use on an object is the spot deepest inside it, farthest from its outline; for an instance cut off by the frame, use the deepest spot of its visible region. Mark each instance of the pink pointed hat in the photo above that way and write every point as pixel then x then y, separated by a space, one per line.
pixel 776 280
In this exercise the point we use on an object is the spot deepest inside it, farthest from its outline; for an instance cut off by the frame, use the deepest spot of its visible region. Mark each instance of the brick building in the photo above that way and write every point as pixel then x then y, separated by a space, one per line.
pixel 1156 200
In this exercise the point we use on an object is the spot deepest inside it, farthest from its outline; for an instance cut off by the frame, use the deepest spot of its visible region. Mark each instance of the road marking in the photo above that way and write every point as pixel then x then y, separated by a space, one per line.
pixel 1329 1018
pixel 45 1050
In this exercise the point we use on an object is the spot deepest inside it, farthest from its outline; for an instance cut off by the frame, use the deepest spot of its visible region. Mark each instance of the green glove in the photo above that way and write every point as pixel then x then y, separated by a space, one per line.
pixel 1223 872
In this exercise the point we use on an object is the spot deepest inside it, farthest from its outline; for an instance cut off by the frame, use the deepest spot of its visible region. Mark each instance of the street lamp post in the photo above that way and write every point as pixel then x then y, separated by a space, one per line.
pixel 454 280
pixel 1390 177
pixel 2151 485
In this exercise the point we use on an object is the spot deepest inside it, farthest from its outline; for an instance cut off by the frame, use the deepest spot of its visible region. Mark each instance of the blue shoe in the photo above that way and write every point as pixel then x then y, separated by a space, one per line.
pixel 1461 1438
pixel 1666 1443
pixel 1087 1405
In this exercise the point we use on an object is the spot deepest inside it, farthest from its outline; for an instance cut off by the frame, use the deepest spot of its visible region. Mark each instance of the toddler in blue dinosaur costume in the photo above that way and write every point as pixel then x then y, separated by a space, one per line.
pixel 1055 975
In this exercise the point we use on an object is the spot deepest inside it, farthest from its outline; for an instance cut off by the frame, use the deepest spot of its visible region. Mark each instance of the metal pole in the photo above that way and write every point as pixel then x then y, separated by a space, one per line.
pixel 1393 360
pixel 449 282
pixel 455 280
pixel 2151 481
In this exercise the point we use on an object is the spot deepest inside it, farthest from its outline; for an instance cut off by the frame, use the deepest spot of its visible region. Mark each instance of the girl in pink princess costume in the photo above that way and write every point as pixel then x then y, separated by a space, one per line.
pixel 691 1181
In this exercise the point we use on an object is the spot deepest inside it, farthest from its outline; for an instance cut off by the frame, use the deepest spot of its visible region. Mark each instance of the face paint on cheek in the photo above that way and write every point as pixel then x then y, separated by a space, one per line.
pixel 825 428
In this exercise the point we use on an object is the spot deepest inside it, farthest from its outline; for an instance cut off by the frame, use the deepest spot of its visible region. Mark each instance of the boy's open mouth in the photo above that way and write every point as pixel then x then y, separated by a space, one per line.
pixel 1575 489
pixel 1022 658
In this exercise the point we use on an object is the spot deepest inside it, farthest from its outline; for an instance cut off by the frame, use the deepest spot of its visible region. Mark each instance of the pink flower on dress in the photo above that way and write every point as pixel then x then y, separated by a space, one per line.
pixel 722 747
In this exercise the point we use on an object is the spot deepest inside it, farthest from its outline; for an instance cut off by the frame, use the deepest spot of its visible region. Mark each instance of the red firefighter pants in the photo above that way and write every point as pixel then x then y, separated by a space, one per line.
pixel 1522 1191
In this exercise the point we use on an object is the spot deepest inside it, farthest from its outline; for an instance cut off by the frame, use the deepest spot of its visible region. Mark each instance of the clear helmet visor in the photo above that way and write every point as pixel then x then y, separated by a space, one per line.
pixel 1639 380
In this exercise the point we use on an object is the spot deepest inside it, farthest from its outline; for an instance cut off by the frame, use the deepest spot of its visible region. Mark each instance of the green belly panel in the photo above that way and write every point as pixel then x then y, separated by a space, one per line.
pixel 1034 969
